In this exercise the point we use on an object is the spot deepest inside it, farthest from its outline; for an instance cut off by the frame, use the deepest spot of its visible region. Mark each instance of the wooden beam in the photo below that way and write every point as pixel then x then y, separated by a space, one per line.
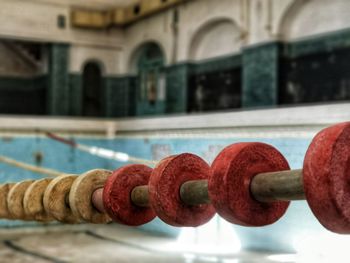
pixel 91 19
pixel 94 19
pixel 145 8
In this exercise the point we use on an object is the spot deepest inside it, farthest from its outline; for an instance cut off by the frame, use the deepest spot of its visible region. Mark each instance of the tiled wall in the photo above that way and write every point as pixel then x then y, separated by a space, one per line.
pixel 58 89
pixel 265 74
pixel 24 95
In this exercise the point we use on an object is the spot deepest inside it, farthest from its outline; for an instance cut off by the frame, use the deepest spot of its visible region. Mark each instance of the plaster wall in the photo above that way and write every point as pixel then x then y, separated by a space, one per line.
pixel 154 29
pixel 32 20
pixel 107 58
pixel 214 40
pixel 193 17
pixel 307 18
pixel 38 21
pixel 14 66
pixel 197 15
pixel 204 29
pixel 200 35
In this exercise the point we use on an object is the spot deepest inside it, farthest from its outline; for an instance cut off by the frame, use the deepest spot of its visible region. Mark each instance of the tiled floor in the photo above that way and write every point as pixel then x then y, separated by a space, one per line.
pixel 104 244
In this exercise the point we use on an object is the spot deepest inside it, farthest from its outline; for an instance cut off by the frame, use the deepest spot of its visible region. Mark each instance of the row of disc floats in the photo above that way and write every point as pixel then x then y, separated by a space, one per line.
pixel 184 191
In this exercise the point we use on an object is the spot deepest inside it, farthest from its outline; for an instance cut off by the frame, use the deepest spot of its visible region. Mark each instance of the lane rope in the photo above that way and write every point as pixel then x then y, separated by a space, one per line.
pixel 93 150
pixel 29 167
pixel 101 152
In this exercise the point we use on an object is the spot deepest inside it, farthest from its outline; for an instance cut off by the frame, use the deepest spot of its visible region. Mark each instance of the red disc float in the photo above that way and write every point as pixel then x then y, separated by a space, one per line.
pixel 117 195
pixel 164 190
pixel 229 183
pixel 326 174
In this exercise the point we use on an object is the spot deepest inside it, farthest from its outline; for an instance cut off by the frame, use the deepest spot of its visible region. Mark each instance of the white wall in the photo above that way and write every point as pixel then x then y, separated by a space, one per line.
pixel 198 14
pixel 216 38
pixel 253 22
pixel 307 18
pixel 13 65
pixel 206 28
pixel 108 58
pixel 192 17
pixel 33 20
pixel 154 29
pixel 36 20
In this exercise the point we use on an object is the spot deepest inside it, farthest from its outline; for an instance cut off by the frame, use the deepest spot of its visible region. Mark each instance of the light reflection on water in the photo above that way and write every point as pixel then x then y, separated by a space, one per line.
pixel 218 241
pixel 217 237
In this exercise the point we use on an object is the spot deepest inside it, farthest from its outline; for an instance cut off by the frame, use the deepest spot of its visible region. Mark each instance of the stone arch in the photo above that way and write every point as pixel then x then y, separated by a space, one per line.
pixel 96 61
pixel 214 38
pixel 147 62
pixel 92 95
pixel 312 17
pixel 140 50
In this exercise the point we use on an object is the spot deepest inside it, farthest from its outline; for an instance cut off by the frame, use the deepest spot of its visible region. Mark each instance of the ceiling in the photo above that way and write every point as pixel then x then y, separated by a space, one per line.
pixel 100 3
pixel 95 4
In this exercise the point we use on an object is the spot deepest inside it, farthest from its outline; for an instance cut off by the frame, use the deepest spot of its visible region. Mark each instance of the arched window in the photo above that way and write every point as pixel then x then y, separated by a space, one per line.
pixel 151 79
pixel 314 17
pixel 217 87
pixel 92 105
pixel 215 38
pixel 313 69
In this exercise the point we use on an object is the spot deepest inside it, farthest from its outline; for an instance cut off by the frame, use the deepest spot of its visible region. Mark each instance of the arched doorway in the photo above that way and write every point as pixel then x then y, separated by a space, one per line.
pixel 151 80
pixel 92 96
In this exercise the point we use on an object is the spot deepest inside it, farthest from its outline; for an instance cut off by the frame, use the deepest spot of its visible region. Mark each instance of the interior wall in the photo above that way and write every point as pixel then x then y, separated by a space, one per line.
pixel 196 14
pixel 306 18
pixel 255 22
pixel 12 64
pixel 215 38
pixel 196 30
pixel 175 29
pixel 39 22
pixel 36 20
pixel 108 57
pixel 155 29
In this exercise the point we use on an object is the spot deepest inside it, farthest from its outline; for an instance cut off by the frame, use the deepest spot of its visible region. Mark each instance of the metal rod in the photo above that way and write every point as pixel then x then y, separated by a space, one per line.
pixel 139 196
pixel 278 186
pixel 195 192
pixel 97 200
pixel 264 187
pixel 191 193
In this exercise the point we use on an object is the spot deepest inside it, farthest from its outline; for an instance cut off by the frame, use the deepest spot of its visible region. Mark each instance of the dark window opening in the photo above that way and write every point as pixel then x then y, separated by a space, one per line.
pixel 220 90
pixel 23 84
pixel 137 9
pixel 176 16
pixel 320 77
pixel 92 91
pixel 61 21
pixel 23 96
